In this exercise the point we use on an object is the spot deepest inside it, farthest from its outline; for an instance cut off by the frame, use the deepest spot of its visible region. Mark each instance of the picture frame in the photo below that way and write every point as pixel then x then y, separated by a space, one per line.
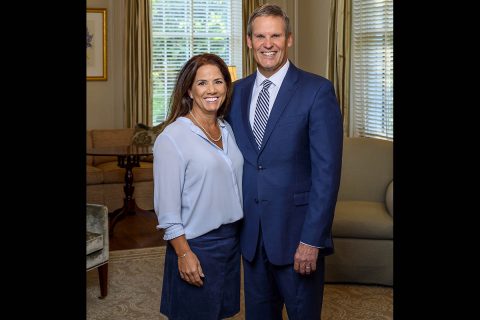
pixel 96 44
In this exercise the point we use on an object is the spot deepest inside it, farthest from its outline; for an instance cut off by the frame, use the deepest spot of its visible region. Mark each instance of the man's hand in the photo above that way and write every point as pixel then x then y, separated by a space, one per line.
pixel 305 259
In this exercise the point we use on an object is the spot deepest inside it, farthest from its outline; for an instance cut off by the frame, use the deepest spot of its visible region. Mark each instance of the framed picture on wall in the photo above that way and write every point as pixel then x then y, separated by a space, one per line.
pixel 96 44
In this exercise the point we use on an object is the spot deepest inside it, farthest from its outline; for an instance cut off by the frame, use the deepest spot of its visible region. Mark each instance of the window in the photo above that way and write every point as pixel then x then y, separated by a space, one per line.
pixel 183 28
pixel 372 69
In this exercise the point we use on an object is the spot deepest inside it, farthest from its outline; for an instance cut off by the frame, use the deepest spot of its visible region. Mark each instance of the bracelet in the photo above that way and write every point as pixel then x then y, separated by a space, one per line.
pixel 183 255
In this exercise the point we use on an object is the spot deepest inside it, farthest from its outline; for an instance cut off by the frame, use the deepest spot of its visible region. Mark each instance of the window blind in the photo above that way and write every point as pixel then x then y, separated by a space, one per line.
pixel 183 28
pixel 372 69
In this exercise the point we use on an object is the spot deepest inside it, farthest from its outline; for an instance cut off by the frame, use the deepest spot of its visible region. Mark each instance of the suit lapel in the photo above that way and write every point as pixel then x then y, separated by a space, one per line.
pixel 285 93
pixel 246 97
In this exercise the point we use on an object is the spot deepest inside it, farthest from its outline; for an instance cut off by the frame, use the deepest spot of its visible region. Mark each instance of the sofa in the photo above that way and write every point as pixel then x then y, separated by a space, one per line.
pixel 363 221
pixel 105 180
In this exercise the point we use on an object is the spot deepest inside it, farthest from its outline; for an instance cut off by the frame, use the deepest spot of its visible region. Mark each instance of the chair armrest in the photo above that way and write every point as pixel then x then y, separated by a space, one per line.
pixel 97 222
pixel 97 219
pixel 389 198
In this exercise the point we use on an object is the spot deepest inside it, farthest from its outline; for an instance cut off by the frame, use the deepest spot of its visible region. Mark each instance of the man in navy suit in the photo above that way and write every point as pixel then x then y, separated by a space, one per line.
pixel 289 129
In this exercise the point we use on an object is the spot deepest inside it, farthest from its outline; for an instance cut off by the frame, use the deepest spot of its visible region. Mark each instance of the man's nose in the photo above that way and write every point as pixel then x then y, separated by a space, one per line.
pixel 268 43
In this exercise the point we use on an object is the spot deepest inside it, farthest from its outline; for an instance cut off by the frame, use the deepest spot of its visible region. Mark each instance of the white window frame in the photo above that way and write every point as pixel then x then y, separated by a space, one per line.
pixel 233 56
pixel 372 69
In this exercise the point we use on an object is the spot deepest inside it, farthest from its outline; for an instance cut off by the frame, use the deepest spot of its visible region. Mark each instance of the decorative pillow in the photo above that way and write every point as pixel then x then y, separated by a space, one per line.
pixel 145 135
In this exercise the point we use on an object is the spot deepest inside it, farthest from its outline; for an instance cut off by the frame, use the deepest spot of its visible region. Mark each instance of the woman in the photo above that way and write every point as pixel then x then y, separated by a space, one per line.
pixel 198 195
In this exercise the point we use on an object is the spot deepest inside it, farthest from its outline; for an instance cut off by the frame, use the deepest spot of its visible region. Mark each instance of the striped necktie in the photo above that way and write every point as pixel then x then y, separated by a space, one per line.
pixel 261 112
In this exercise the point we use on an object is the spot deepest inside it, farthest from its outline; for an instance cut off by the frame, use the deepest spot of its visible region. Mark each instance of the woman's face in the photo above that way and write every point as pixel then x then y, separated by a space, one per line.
pixel 208 90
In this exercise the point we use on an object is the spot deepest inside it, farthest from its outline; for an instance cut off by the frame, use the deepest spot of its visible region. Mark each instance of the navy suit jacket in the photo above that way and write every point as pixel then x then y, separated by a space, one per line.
pixel 290 184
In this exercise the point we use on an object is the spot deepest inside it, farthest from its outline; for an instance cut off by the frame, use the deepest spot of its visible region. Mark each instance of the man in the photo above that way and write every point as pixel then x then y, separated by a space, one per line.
pixel 289 130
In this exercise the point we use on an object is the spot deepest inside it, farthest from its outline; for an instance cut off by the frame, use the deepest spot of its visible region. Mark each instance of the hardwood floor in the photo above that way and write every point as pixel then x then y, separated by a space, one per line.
pixel 136 231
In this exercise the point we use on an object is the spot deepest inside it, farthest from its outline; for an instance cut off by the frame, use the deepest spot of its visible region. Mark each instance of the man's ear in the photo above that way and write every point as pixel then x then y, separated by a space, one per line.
pixel 290 40
pixel 249 42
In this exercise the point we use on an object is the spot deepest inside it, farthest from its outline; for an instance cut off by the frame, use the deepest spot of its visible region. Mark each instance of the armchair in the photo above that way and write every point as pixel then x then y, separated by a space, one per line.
pixel 98 244
pixel 363 222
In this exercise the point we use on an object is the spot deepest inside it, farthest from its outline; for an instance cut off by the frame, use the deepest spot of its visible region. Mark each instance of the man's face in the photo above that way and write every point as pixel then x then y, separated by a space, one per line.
pixel 269 43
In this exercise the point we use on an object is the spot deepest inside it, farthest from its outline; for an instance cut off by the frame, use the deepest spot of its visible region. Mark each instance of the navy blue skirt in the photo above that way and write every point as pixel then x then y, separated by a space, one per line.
pixel 219 297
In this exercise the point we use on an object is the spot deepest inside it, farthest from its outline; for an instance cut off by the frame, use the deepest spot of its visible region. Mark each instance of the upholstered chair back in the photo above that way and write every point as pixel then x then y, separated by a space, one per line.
pixel 367 169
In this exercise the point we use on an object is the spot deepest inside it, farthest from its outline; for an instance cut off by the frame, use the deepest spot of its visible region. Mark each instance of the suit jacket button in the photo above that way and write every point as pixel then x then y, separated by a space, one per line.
pixel 260 168
pixel 256 200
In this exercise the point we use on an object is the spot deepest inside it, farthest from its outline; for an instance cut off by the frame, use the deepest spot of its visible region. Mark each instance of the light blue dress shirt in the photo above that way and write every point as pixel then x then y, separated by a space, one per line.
pixel 277 80
pixel 197 185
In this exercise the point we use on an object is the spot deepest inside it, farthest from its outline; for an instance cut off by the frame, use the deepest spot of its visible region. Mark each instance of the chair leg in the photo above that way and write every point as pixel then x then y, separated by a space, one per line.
pixel 103 277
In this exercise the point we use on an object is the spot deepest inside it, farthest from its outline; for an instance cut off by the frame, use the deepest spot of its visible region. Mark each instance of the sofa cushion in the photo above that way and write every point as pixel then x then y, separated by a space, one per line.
pixel 94 175
pixel 89 145
pixel 110 138
pixel 94 242
pixel 362 219
pixel 96 194
pixel 112 173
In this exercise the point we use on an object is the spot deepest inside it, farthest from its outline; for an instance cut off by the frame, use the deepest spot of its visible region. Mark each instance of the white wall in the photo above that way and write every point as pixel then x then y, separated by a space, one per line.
pixel 309 20
pixel 312 18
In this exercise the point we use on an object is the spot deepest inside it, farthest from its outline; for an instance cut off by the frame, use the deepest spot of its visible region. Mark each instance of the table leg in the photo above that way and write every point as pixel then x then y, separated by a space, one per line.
pixel 129 204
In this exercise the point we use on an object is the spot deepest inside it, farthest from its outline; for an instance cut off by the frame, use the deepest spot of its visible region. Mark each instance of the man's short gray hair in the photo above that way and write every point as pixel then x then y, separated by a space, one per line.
pixel 268 10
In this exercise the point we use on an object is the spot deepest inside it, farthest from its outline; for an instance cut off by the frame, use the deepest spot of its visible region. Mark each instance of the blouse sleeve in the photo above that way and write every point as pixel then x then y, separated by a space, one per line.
pixel 168 177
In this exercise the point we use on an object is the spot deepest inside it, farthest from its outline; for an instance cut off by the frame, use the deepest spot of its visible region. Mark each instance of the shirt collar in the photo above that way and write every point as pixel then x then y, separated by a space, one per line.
pixel 276 78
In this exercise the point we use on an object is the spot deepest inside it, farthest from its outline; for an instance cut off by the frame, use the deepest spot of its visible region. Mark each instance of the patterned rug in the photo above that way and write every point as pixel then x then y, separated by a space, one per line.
pixel 135 285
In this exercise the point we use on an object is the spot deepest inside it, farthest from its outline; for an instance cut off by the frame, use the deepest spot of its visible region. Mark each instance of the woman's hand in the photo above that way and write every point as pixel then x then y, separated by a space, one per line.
pixel 190 269
pixel 188 264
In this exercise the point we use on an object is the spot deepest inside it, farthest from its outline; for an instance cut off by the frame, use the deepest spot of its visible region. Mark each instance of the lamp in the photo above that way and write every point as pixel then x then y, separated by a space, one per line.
pixel 233 72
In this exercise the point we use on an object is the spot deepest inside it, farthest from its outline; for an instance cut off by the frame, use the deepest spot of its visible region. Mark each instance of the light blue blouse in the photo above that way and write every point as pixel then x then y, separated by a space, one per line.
pixel 197 185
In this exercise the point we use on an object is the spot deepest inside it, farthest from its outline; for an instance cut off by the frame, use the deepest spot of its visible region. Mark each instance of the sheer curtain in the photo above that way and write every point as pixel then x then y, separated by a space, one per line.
pixel 338 64
pixel 137 66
